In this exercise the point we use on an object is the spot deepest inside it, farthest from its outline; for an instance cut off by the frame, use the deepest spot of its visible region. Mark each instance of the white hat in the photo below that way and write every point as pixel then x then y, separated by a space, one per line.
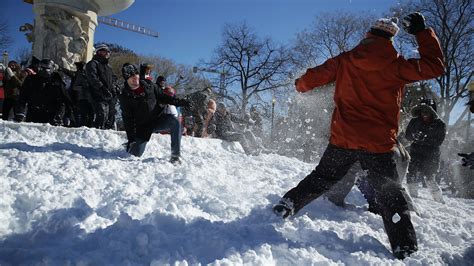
pixel 387 24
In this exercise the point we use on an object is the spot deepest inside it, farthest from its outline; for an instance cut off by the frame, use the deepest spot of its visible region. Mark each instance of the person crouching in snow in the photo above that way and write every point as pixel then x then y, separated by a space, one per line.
pixel 142 112
pixel 370 81
pixel 426 131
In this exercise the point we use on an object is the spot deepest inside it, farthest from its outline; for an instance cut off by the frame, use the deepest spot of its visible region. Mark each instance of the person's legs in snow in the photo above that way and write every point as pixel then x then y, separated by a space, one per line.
pixel 393 207
pixel 332 167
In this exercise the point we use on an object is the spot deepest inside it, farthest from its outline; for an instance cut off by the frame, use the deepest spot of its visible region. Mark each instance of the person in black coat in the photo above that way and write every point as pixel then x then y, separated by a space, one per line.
pixel 200 102
pixel 426 131
pixel 221 126
pixel 142 108
pixel 42 96
pixel 100 79
pixel 82 98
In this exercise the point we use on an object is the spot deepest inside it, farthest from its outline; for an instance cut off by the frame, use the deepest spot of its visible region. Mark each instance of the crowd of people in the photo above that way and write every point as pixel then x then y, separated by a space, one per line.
pixel 369 82
pixel 41 93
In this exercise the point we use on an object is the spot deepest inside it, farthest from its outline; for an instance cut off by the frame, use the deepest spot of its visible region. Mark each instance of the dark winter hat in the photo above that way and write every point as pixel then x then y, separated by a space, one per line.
pixel 160 79
pixel 129 70
pixel 101 46
pixel 47 63
pixel 425 105
pixel 144 67
pixel 385 25
pixel 46 68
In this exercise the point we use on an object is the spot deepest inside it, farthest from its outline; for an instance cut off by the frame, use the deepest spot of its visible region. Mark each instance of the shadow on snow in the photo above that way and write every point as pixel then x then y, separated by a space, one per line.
pixel 57 239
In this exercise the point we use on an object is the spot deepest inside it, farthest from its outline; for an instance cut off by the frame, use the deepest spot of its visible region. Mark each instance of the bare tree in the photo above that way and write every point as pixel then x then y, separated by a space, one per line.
pixel 453 23
pixel 329 35
pixel 23 55
pixel 257 65
pixel 5 39
pixel 180 77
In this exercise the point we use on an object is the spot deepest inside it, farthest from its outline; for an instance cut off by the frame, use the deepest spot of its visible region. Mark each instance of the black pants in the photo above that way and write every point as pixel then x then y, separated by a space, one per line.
pixel 84 113
pixel 101 110
pixel 338 193
pixel 383 178
pixel 110 122
pixel 424 165
pixel 8 105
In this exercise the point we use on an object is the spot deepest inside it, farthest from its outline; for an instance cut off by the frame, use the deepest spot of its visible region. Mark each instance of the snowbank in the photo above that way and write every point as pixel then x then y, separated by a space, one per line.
pixel 74 196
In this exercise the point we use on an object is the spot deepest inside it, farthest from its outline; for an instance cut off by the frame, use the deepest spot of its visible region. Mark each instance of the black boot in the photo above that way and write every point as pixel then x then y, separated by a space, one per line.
pixel 175 160
pixel 284 208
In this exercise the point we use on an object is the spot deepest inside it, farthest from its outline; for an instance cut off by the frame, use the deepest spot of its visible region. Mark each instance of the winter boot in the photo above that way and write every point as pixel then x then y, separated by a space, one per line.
pixel 284 208
pixel 413 189
pixel 175 159
pixel 402 253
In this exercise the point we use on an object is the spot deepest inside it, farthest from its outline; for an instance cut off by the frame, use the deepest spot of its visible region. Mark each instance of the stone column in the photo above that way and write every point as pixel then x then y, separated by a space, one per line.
pixel 63 33
pixel 64 29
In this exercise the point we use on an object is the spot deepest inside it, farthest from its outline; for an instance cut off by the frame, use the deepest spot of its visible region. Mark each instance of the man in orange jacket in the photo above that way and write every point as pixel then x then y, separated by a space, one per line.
pixel 369 81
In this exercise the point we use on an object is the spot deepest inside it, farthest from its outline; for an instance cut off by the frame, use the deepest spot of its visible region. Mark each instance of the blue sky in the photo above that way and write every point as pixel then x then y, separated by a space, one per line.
pixel 191 29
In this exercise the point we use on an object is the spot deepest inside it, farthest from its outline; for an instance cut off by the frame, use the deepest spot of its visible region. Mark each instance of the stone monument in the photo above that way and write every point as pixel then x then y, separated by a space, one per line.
pixel 64 29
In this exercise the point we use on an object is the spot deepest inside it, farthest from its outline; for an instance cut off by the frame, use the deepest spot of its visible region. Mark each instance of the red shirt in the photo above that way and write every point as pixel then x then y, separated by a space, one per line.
pixel 138 91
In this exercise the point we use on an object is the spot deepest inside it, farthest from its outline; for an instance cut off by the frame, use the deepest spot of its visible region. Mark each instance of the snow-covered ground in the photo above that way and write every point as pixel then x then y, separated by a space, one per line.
pixel 74 197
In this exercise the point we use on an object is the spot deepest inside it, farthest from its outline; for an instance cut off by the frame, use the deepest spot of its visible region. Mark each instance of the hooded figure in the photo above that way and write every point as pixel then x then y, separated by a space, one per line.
pixel 42 96
pixel 100 84
pixel 426 131
pixel 369 83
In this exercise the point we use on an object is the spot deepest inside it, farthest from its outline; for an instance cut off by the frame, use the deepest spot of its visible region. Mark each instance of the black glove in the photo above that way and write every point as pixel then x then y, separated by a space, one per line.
pixel 468 159
pixel 414 23
pixel 184 103
pixel 419 136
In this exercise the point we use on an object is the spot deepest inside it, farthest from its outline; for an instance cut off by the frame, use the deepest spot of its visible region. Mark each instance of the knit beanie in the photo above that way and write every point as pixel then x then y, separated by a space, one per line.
pixel 101 46
pixel 128 70
pixel 388 25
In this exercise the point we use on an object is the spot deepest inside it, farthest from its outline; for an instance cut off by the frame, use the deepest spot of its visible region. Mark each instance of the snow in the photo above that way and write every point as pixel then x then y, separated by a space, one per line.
pixel 74 197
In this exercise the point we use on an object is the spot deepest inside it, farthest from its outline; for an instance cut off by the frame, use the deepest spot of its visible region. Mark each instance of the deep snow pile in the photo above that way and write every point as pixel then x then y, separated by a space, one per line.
pixel 72 196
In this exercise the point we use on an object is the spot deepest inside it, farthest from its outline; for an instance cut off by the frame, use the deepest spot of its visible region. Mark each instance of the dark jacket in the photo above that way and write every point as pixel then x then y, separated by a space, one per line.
pixel 43 99
pixel 80 87
pixel 140 112
pixel 432 134
pixel 12 86
pixel 199 100
pixel 223 124
pixel 100 78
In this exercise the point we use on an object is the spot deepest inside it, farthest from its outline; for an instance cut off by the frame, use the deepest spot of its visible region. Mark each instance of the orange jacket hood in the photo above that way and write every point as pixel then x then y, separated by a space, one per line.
pixel 373 53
